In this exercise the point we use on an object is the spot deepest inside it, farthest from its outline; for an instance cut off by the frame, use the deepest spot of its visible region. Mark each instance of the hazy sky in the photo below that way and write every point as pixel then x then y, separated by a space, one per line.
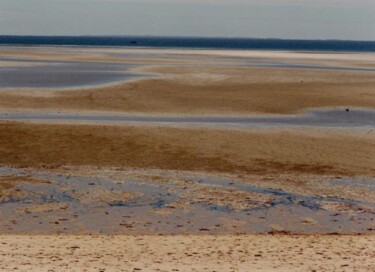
pixel 306 19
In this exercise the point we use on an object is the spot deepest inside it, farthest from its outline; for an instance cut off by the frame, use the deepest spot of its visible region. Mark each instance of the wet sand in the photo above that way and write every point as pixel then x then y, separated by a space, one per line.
pixel 316 151
pixel 197 82
pixel 188 165
pixel 208 93
pixel 338 118
pixel 83 200
pixel 153 180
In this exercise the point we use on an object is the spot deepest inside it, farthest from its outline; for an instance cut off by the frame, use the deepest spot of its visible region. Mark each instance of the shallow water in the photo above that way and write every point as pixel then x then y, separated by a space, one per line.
pixel 194 42
pixel 50 74
pixel 324 118
pixel 91 204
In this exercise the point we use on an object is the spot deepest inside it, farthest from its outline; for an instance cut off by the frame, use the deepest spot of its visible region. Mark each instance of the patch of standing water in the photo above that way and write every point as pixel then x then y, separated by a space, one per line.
pixel 61 75
pixel 335 118
pixel 87 202
pixel 285 198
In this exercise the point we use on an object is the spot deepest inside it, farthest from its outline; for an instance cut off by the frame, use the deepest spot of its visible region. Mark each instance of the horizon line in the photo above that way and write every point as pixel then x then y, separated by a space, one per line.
pixel 185 37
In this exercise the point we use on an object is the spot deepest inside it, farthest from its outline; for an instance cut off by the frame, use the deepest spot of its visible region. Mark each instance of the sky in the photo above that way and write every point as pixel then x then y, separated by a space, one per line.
pixel 290 19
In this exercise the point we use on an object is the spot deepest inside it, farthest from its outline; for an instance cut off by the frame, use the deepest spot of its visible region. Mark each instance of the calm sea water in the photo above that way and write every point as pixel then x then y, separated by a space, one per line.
pixel 186 42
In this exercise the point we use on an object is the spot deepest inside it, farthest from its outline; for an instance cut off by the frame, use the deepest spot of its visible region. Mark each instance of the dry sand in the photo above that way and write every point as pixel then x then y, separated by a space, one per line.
pixel 187 253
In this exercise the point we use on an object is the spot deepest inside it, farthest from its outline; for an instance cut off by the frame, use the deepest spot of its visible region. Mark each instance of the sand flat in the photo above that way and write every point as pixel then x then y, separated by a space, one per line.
pixel 198 82
pixel 212 92
pixel 265 151
pixel 188 253
pixel 53 51
pixel 153 179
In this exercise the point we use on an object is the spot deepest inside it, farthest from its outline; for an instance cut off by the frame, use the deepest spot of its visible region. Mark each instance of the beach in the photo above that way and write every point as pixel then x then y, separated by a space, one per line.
pixel 187 253
pixel 121 159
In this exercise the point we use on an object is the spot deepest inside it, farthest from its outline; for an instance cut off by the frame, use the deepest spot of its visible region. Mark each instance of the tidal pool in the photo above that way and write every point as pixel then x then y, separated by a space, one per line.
pixel 61 75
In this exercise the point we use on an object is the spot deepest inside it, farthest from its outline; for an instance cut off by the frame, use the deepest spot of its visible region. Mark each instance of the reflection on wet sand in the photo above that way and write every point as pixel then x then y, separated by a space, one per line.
pixel 64 75
pixel 353 118
pixel 175 202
